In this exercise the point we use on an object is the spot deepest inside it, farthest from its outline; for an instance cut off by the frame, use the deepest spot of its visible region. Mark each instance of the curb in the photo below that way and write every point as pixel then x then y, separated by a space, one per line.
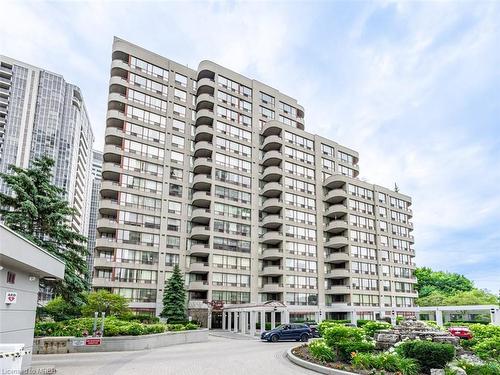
pixel 313 366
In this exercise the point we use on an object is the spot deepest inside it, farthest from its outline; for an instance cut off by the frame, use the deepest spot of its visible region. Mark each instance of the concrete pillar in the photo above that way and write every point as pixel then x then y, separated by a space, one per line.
pixel 209 320
pixel 262 321
pixel 439 318
pixel 253 316
pixel 354 317
pixel 286 319
pixel 224 320
pixel 243 322
pixel 273 319
pixel 235 322
pixel 394 321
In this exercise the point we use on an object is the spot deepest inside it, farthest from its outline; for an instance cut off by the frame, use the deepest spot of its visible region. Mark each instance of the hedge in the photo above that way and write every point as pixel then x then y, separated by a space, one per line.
pixel 427 353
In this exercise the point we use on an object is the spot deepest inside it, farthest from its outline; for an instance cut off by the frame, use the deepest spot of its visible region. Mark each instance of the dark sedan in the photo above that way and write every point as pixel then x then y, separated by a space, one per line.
pixel 294 331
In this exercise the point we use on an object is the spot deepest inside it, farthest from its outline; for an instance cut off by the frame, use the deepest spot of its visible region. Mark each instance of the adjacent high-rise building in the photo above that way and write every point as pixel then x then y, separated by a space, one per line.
pixel 214 171
pixel 93 206
pixel 42 114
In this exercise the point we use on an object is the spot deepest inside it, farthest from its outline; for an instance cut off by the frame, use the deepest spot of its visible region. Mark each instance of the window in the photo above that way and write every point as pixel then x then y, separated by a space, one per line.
pixel 176 157
pixel 301 265
pixel 180 79
pixel 266 113
pixel 299 155
pixel 234 147
pixel 299 141
pixel 235 212
pixel 174 207
pixel 145 116
pixel 301 233
pixel 148 84
pixel 266 99
pixel 299 185
pixel 360 192
pixel 11 277
pixel 288 109
pixel 234 86
pixel 346 171
pixel 232 178
pixel 179 110
pixel 175 190
pixel 173 242
pixel 231 244
pixel 144 133
pixel 171 259
pixel 346 158
pixel 180 95
pixel 301 249
pixel 231 228
pixel 173 224
pixel 300 201
pixel 176 174
pixel 234 131
pixel 328 164
pixel 232 194
pixel 301 299
pixel 300 217
pixel 232 162
pixel 177 141
pixel 178 125
pixel 382 197
pixel 148 68
pixel 299 170
pixel 146 100
pixel 328 150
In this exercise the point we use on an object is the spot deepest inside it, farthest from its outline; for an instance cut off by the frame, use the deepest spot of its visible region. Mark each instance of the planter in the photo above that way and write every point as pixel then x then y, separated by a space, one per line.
pixel 61 345
pixel 313 366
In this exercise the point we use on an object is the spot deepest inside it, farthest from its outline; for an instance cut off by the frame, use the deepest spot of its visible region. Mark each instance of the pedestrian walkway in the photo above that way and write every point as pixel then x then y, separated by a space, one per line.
pixel 231 335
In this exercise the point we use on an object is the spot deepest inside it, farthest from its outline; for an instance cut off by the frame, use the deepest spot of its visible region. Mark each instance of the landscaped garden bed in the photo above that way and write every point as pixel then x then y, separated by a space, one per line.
pixel 413 348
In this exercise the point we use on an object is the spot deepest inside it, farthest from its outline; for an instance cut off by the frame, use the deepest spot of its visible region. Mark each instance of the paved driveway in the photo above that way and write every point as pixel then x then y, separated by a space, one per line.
pixel 224 354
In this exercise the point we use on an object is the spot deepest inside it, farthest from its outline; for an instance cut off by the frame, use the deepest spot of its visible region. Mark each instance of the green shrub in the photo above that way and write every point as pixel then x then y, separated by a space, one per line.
pixel 427 353
pixel 387 362
pixel 372 327
pixel 346 349
pixel 361 322
pixel 488 349
pixel 176 327
pixel 491 368
pixel 321 351
pixel 141 318
pixel 335 333
pixel 59 310
pixel 191 326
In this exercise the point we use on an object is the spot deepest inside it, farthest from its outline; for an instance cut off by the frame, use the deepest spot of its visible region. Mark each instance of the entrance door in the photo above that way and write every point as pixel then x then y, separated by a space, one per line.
pixel 216 319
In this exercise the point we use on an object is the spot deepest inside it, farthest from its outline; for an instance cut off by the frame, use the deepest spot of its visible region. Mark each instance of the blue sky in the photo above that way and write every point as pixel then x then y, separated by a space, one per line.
pixel 414 87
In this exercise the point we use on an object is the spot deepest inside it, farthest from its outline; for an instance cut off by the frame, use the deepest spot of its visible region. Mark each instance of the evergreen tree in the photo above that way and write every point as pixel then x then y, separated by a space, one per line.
pixel 37 210
pixel 174 298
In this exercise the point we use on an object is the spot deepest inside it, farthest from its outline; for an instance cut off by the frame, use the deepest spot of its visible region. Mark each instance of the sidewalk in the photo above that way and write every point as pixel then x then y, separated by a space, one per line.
pixel 231 335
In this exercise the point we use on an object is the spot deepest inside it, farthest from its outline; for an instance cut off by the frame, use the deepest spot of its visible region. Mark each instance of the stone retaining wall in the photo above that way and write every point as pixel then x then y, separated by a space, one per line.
pixel 60 345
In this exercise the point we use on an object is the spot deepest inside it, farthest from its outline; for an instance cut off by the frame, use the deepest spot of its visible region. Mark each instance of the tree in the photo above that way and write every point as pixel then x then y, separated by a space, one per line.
pixel 174 298
pixel 472 297
pixel 429 281
pixel 38 211
pixel 104 301
pixel 58 309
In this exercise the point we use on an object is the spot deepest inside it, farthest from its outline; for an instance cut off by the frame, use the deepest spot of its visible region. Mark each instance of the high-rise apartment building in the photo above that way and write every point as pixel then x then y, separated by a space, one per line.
pixel 42 114
pixel 214 171
pixel 93 206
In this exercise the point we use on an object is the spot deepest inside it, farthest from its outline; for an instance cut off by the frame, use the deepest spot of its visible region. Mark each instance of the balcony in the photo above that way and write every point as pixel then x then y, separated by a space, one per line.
pixel 203 133
pixel 272 288
pixel 199 250
pixel 202 165
pixel 204 117
pixel 201 199
pixel 203 149
pixel 202 182
pixel 272 158
pixel 272 205
pixel 200 233
pixel 271 221
pixel 108 207
pixel 199 267
pixel 273 142
pixel 272 189
pixel 272 127
pixel 336 226
pixel 271 271
pixel 336 181
pixel 271 253
pixel 337 242
pixel 335 196
pixel 338 289
pixel 200 215
pixel 198 285
pixel 337 257
pixel 336 210
pixel 205 101
pixel 107 243
pixel 272 238
pixel 337 273
pixel 209 82
pixel 272 174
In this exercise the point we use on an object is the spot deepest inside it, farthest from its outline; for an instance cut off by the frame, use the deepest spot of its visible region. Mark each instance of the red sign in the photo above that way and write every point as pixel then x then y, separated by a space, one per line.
pixel 91 342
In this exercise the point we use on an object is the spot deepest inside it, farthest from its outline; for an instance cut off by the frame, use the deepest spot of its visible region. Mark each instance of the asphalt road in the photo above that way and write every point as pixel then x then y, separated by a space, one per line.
pixel 224 354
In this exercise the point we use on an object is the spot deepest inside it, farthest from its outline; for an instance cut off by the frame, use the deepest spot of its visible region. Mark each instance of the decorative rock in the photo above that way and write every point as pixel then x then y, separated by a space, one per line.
pixel 437 371
pixel 457 370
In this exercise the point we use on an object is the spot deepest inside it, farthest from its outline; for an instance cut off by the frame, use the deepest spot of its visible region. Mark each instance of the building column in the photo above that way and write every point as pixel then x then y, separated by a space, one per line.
pixel 273 319
pixel 235 330
pixel 243 322
pixel 223 320
pixel 262 321
pixel 354 317
pixel 286 319
pixel 209 319
pixel 439 318
pixel 253 315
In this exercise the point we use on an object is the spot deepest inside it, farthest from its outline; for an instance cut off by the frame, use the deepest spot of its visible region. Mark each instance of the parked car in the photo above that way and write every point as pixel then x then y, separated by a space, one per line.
pixel 314 329
pixel 294 331
pixel 462 332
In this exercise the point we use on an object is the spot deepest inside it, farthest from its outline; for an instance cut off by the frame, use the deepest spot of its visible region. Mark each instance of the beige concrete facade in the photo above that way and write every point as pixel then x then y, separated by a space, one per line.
pixel 214 171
